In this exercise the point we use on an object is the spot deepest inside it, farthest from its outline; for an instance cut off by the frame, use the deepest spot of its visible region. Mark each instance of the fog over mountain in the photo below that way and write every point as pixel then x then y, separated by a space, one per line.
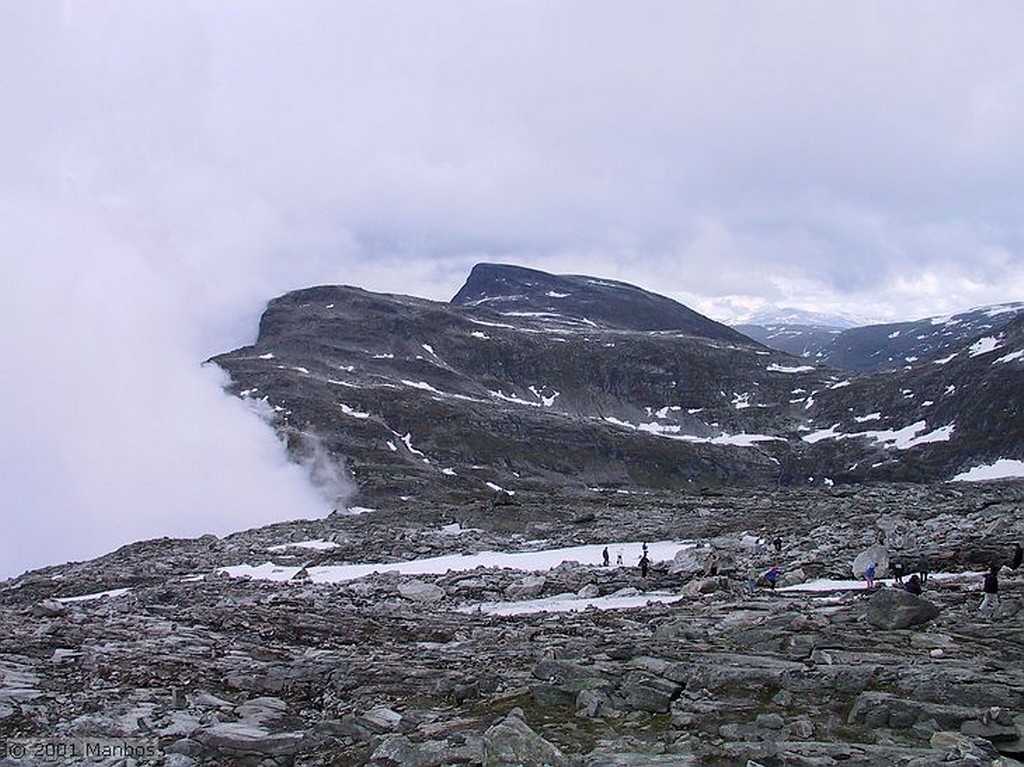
pixel 168 168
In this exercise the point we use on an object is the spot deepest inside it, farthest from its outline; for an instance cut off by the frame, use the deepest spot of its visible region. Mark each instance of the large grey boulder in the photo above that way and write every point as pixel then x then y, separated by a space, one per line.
pixel 513 743
pixel 526 588
pixel 876 553
pixel 653 695
pixel 690 560
pixel 421 591
pixel 245 738
pixel 398 750
pixel 899 609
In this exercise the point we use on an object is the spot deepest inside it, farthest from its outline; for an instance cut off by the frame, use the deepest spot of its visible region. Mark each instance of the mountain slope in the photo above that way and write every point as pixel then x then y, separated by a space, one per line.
pixel 529 380
pixel 518 291
pixel 964 408
pixel 887 346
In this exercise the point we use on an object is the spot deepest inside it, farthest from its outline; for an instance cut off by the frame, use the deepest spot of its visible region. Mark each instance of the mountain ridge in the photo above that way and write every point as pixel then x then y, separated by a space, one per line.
pixel 510 386
pixel 882 346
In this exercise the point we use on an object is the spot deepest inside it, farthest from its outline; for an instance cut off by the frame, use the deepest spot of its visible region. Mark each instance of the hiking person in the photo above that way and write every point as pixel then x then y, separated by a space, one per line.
pixel 604 557
pixel 711 565
pixel 777 543
pixel 913 585
pixel 897 572
pixel 869 575
pixel 922 569
pixel 645 564
pixel 991 588
pixel 618 558
pixel 772 576
pixel 1018 556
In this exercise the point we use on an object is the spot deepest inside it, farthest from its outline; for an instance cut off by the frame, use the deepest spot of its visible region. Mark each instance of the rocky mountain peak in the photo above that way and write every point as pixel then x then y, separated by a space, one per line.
pixel 516 290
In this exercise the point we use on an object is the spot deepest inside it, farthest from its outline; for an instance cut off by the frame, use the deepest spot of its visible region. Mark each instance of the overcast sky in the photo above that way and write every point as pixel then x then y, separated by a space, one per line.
pixel 165 168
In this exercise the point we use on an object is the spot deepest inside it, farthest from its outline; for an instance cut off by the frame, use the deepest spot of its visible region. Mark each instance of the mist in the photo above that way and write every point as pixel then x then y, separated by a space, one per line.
pixel 168 168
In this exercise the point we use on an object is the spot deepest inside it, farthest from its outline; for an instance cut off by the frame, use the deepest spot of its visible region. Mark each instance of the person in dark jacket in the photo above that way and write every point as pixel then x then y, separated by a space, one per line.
pixel 645 564
pixel 913 585
pixel 772 576
pixel 897 572
pixel 922 569
pixel 991 588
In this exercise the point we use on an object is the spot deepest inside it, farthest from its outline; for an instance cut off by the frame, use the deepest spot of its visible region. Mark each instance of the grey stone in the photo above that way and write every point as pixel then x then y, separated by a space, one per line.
pixel 526 588
pixel 49 608
pixel 654 695
pixel 898 609
pixel 990 730
pixel 513 743
pixel 245 738
pixel 420 591
pixel 382 718
pixel 876 553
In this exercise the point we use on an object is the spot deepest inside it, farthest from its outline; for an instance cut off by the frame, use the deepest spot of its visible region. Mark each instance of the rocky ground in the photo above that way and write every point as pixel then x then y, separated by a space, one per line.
pixel 402 671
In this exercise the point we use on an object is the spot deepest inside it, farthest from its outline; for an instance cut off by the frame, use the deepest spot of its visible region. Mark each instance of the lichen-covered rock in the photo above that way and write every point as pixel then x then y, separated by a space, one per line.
pixel 513 743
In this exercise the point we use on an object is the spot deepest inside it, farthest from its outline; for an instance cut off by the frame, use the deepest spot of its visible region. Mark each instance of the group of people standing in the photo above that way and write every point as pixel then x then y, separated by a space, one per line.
pixel 914 584
pixel 920 576
pixel 989 587
pixel 644 563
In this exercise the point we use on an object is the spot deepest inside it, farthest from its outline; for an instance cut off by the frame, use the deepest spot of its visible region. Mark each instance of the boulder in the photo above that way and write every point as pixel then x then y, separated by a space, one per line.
pixel 653 695
pixel 399 750
pixel 513 743
pixel 49 608
pixel 526 588
pixel 876 553
pixel 421 591
pixel 899 609
pixel 382 718
pixel 239 738
pixel 690 560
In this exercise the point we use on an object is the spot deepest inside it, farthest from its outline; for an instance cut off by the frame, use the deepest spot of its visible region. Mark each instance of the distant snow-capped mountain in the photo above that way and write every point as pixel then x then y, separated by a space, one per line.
pixel 788 316
pixel 882 346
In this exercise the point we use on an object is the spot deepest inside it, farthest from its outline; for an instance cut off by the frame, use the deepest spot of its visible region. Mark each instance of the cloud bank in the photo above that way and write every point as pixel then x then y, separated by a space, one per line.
pixel 169 167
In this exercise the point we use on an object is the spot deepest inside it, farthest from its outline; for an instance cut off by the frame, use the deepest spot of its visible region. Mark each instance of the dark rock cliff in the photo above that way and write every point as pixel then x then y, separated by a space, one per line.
pixel 532 380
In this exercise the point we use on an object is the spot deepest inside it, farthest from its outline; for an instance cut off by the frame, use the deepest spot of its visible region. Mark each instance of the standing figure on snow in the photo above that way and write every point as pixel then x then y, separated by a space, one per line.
pixel 604 557
pixel 645 563
pixel 1018 556
pixel 869 575
pixel 991 588
pixel 777 543
pixel 618 558
pixel 914 585
pixel 922 568
pixel 897 572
